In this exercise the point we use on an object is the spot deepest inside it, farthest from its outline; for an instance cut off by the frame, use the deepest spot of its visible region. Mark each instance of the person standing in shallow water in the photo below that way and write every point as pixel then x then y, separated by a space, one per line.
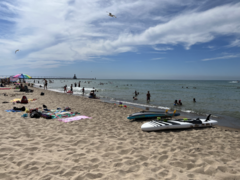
pixel 71 89
pixel 83 90
pixel 148 96
pixel 65 88
pixel 194 100
pixel 79 84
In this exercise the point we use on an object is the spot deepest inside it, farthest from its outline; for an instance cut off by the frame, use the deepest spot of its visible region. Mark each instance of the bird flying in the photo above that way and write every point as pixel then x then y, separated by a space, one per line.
pixel 110 14
pixel 16 51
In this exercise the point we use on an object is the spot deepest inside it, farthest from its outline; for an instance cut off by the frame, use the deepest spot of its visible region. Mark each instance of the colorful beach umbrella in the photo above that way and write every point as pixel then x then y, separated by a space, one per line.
pixel 22 76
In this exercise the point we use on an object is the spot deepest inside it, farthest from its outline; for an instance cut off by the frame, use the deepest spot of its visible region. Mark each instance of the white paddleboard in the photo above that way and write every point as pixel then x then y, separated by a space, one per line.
pixel 156 125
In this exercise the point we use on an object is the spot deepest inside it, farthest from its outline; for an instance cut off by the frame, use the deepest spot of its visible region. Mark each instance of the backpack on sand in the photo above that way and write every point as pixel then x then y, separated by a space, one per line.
pixel 24 100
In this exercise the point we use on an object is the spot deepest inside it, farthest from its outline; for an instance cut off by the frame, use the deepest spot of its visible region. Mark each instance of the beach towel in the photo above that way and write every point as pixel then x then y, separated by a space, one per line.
pixel 12 110
pixel 15 100
pixel 76 118
pixel 5 88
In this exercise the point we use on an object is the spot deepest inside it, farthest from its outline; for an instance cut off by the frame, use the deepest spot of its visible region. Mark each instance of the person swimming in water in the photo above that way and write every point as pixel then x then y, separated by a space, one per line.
pixel 180 102
pixel 136 93
pixel 134 98
pixel 175 103
pixel 194 100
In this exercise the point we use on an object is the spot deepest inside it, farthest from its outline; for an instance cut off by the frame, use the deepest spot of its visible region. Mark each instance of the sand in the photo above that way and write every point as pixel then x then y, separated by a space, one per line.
pixel 108 146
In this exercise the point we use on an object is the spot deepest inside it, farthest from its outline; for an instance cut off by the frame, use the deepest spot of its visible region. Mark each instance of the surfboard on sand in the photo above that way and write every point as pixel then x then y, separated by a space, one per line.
pixel 152 114
pixel 156 125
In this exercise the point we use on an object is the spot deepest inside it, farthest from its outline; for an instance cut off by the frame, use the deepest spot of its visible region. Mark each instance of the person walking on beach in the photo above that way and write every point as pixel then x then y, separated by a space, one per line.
pixel 148 96
pixel 45 84
pixel 83 90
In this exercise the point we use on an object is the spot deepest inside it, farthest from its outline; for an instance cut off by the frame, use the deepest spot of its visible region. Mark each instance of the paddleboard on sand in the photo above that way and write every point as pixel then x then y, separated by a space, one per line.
pixel 156 125
pixel 69 91
pixel 152 114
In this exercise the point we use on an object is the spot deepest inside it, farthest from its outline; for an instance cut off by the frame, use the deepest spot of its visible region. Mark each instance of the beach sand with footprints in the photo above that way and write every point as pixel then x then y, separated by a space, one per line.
pixel 108 146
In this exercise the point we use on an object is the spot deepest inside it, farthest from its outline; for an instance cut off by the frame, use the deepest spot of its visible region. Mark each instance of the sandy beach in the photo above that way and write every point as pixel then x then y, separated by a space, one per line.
pixel 108 146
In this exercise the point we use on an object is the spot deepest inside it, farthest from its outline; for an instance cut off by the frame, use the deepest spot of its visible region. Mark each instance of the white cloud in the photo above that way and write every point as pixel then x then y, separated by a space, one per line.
pixel 154 59
pixel 60 31
pixel 162 49
pixel 222 57
pixel 235 43
pixel 211 47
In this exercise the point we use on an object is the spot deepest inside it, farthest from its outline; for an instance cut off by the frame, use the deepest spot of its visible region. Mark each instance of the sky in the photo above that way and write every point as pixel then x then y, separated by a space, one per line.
pixel 157 39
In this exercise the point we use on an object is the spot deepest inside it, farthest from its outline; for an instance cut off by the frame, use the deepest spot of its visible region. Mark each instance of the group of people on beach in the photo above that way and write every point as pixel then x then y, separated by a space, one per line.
pixel 71 88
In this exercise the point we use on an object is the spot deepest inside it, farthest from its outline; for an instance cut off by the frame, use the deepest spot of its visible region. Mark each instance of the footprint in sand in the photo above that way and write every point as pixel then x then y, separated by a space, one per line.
pixel 94 176
pixel 162 158
pixel 30 149
pixel 118 165
pixel 124 151
pixel 163 173
pixel 95 160
pixel 190 175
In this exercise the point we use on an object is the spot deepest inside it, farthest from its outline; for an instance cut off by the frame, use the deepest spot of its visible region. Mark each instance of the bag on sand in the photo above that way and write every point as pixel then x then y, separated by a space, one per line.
pixel 42 94
pixel 35 114
pixel 24 100
pixel 20 109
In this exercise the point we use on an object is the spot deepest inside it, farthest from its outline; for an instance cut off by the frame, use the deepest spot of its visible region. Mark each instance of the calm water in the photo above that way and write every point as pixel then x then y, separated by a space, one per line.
pixel 219 98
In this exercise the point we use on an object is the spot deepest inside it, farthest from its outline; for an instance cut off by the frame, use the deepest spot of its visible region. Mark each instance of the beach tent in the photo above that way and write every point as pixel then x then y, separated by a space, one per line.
pixel 12 79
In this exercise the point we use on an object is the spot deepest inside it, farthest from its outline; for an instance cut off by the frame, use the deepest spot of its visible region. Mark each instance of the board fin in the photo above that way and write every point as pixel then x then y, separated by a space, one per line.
pixel 208 118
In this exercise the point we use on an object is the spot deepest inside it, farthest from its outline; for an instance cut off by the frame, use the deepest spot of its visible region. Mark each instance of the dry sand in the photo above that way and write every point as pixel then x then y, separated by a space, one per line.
pixel 108 146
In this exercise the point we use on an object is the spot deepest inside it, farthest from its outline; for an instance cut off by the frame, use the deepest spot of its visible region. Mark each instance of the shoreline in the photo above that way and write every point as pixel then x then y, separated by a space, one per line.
pixel 221 120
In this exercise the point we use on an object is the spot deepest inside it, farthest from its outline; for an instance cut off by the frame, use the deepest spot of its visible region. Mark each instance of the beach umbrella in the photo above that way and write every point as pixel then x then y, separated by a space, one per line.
pixel 22 76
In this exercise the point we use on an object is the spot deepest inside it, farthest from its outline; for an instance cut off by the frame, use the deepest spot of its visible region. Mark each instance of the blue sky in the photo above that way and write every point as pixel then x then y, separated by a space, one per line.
pixel 158 39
